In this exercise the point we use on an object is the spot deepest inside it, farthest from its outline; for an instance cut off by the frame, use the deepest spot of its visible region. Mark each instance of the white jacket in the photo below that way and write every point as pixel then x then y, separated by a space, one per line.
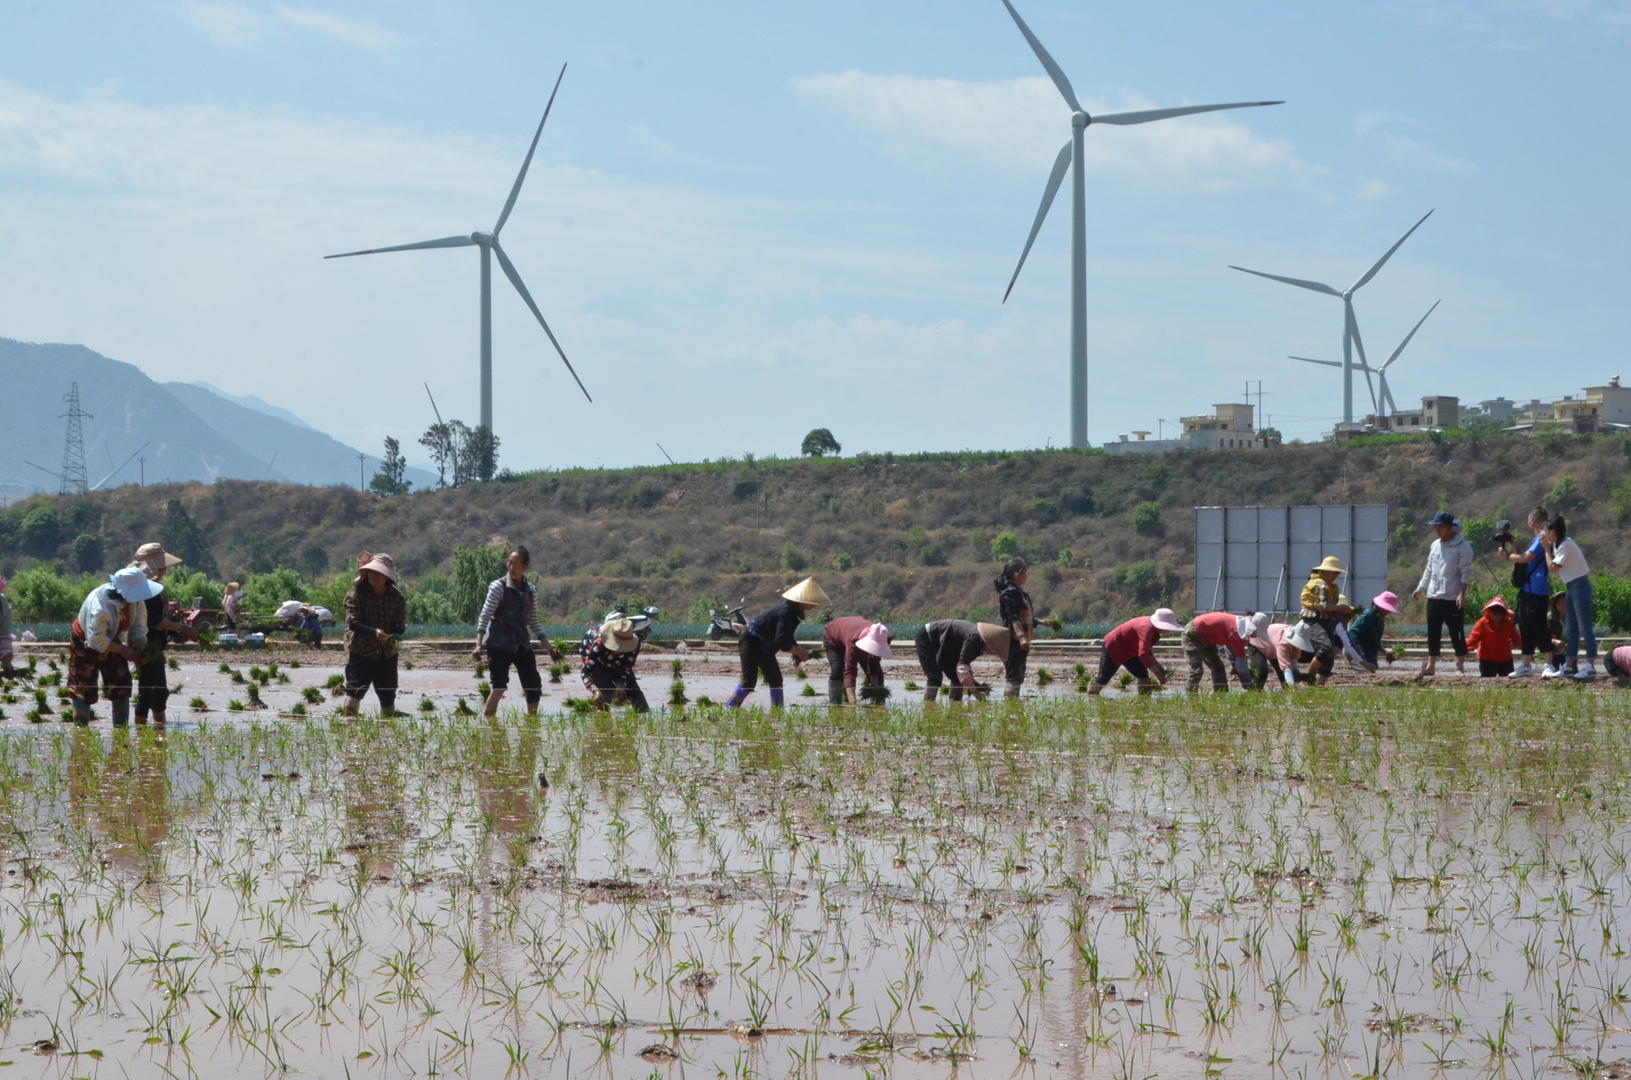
pixel 1449 568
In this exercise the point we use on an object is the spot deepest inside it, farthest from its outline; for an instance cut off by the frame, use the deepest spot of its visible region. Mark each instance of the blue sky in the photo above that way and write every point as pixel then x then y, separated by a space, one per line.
pixel 748 220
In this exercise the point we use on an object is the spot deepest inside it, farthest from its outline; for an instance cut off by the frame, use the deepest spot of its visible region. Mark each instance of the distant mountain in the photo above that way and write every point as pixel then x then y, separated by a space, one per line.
pixel 193 433
pixel 249 401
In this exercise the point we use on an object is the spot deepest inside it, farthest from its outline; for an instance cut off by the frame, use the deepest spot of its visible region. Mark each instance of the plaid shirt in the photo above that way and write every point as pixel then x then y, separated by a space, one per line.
pixel 367 611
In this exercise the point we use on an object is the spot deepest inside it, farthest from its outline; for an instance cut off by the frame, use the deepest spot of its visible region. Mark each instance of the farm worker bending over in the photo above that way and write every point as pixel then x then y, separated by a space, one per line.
pixel 153 676
pixel 505 629
pixel 1618 664
pixel 1132 646
pixel 1277 651
pixel 375 612
pixel 1216 630
pixel 1445 580
pixel 946 651
pixel 770 633
pixel 854 644
pixel 110 612
pixel 1495 636
pixel 1321 607
pixel 609 652
pixel 1365 632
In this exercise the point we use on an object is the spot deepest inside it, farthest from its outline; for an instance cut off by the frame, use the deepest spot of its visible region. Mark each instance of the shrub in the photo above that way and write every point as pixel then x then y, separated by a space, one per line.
pixel 792 558
pixel 40 531
pixel 1147 519
pixel 1004 546
pixel 264 592
pixel 39 595
pixel 842 561
pixel 1566 495
pixel 1141 580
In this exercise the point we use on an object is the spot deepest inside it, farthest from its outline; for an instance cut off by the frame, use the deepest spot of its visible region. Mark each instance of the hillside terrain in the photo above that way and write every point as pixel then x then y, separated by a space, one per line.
pixel 896 537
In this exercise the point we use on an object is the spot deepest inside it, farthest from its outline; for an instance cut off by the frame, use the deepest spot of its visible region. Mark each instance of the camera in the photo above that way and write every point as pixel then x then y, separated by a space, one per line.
pixel 1503 533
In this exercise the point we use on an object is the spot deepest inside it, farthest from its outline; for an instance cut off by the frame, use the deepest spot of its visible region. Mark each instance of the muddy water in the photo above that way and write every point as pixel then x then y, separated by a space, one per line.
pixel 1168 891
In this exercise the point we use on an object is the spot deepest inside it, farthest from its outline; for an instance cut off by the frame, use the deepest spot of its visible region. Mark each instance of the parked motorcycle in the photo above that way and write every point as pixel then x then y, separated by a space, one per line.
pixel 732 622
pixel 642 622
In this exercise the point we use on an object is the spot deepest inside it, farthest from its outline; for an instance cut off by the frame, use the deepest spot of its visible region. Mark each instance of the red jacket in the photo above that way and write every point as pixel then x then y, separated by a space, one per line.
pixel 1495 641
pixel 1219 628
pixel 1133 639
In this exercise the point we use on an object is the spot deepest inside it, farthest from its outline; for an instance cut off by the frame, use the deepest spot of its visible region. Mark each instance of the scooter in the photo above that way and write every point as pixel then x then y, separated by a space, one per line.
pixel 732 622
pixel 642 622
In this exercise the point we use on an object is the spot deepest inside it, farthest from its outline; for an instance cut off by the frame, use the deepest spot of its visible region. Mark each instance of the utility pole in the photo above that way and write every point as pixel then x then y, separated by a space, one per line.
pixel 361 457
pixel 141 462
pixel 74 479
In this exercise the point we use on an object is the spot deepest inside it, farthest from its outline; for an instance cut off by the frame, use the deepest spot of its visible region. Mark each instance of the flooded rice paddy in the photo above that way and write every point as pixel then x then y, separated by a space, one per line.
pixel 1379 882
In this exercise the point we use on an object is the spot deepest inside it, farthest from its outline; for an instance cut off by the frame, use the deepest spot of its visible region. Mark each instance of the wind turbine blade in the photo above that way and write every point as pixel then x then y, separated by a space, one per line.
pixel 433 407
pixel 1144 116
pixel 444 242
pixel 509 204
pixel 1410 335
pixel 515 279
pixel 1359 347
pixel 1323 363
pixel 1055 178
pixel 1372 271
pixel 1053 69
pixel 121 465
pixel 1299 282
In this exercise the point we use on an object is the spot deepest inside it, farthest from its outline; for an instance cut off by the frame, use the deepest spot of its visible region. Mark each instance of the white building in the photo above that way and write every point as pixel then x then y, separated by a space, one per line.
pixel 1227 427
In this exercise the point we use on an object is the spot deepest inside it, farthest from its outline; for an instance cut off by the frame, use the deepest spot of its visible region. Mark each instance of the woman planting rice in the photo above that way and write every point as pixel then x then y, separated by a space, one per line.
pixel 772 632
pixel 505 629
pixel 946 650
pixel 375 613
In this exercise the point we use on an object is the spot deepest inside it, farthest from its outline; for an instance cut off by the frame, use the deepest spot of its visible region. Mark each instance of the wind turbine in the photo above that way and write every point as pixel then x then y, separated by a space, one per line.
pixel 1350 326
pixel 1070 157
pixel 1381 401
pixel 488 243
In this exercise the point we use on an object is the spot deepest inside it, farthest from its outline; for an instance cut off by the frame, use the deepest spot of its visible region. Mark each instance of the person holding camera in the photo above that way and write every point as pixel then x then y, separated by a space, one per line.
pixel 1445 581
pixel 1533 579
pixel 1565 559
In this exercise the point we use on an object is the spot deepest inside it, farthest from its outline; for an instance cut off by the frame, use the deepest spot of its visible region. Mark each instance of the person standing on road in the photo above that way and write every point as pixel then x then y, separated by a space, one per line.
pixel 153 675
pixel 855 646
pixel 505 630
pixel 1534 581
pixel 772 632
pixel 1445 580
pixel 947 649
pixel 1132 646
pixel 1565 559
pixel 1017 614
pixel 375 613
pixel 111 612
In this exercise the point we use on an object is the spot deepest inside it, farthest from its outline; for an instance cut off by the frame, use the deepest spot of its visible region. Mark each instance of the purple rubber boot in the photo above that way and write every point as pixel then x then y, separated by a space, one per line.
pixel 740 696
pixel 776 697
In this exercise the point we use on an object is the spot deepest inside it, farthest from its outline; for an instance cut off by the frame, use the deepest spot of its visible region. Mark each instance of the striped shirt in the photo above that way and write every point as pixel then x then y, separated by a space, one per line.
pixel 529 607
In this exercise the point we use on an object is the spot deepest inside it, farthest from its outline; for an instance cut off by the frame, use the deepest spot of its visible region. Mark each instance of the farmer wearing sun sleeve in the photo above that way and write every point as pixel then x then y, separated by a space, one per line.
pixel 772 632
pixel 1132 646
pixel 946 651
pixel 107 635
pixel 854 645
pixel 375 613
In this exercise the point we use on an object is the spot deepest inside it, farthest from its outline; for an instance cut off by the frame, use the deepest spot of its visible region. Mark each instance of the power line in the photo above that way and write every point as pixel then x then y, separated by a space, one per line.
pixel 73 476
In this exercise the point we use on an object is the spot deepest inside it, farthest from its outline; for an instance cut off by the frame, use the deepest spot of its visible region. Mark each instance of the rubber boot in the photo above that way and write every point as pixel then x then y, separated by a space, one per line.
pixel 533 698
pixel 776 697
pixel 83 713
pixel 387 701
pixel 1010 691
pixel 835 693
pixel 740 695
pixel 490 709
pixel 121 712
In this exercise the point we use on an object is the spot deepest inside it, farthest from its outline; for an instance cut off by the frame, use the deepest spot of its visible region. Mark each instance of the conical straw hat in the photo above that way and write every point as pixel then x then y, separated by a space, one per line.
pixel 806 592
pixel 997 639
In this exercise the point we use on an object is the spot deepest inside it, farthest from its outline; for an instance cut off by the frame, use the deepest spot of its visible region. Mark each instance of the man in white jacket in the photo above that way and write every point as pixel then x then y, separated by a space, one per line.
pixel 1449 570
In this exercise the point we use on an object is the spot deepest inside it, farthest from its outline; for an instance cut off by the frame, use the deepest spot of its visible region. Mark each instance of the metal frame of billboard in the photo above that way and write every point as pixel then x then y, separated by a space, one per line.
pixel 1257 558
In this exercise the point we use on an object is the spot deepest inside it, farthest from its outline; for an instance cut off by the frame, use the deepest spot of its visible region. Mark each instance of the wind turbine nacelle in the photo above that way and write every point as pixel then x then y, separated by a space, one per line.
pixel 483 239
pixel 1080 119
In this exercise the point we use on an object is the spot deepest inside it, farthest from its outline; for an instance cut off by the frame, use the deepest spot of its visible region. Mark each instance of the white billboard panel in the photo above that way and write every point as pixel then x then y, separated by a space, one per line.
pixel 1257 558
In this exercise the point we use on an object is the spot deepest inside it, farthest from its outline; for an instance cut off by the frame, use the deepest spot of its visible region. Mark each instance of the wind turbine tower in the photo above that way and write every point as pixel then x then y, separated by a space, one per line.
pixel 490 249
pixel 74 479
pixel 1071 158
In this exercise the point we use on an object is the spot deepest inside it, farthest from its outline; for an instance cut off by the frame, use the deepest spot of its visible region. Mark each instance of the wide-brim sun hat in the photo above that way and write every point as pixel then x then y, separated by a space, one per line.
pixel 1297 638
pixel 807 592
pixel 134 585
pixel 1330 564
pixel 1166 619
pixel 1386 601
pixel 381 563
pixel 154 557
pixel 875 640
pixel 617 635
pixel 997 639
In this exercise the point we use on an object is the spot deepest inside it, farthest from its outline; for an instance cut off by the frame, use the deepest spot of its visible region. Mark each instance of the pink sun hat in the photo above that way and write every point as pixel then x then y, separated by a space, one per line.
pixel 382 563
pixel 1164 619
pixel 875 640
pixel 1387 601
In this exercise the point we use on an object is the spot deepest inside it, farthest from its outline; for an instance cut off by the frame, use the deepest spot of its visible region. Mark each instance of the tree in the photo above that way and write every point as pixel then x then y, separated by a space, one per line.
pixel 40 532
pixel 819 443
pixel 1005 546
pixel 1270 436
pixel 86 552
pixel 440 442
pixel 183 538
pixel 474 568
pixel 393 470
pixel 479 454
pixel 1147 519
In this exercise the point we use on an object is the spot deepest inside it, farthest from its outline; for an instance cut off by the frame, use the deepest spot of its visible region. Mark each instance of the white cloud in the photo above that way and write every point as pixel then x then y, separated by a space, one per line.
pixel 230 25
pixel 1019 124
pixel 1373 190
pixel 1407 150
pixel 360 33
